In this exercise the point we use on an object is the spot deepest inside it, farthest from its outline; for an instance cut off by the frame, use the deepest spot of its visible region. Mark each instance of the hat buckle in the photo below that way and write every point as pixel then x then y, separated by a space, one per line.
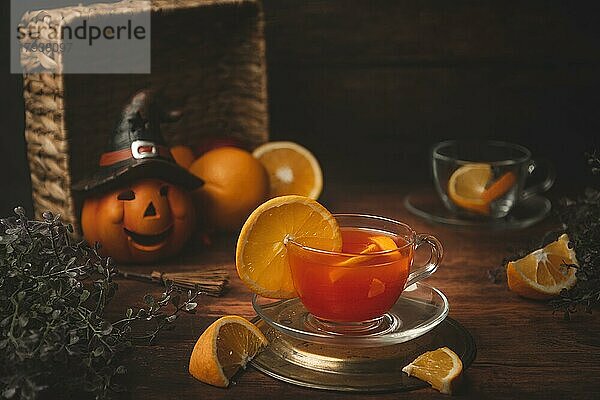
pixel 141 149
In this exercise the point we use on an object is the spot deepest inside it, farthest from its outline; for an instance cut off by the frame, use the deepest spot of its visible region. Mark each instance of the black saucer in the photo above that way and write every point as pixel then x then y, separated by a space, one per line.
pixel 426 204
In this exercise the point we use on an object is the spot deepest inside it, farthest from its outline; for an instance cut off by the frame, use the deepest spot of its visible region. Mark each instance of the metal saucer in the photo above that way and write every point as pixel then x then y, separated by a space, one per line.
pixel 356 369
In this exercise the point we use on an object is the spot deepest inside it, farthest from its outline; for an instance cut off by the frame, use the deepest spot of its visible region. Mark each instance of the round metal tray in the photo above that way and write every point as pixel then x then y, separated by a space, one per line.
pixel 356 369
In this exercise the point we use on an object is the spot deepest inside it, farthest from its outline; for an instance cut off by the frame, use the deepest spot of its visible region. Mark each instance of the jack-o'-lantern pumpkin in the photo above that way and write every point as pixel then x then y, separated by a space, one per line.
pixel 141 222
pixel 150 214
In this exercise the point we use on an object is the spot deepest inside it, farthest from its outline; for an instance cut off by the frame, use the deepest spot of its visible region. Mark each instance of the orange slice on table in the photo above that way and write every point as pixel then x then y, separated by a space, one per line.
pixel 543 273
pixel 441 368
pixel 261 255
pixel 470 187
pixel 223 348
pixel 292 169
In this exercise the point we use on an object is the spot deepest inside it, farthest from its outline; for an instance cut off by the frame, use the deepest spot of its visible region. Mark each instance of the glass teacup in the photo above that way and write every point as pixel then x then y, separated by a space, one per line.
pixel 484 178
pixel 353 289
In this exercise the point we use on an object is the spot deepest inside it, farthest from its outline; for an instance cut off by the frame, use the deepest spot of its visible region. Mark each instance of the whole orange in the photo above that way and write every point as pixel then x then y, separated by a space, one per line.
pixel 235 183
pixel 183 155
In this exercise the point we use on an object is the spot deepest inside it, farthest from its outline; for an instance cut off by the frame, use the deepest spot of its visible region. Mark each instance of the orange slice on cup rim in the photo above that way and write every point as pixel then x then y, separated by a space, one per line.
pixel 261 254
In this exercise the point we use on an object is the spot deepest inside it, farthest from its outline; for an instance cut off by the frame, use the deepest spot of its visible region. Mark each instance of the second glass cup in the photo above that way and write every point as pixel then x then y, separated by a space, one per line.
pixel 341 288
pixel 484 178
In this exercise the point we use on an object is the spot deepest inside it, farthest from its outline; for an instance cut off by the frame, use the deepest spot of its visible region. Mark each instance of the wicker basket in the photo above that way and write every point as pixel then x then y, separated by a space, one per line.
pixel 69 118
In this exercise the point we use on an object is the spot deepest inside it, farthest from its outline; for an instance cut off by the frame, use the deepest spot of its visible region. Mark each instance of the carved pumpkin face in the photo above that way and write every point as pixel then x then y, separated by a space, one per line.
pixel 142 222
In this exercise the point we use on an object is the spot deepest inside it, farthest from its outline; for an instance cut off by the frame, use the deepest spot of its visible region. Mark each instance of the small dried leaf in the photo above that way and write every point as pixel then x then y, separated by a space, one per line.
pixel 23 320
pixel 45 309
pixel 149 299
pixel 98 351
pixel 171 318
pixel 84 296
pixel 9 392
pixel 106 328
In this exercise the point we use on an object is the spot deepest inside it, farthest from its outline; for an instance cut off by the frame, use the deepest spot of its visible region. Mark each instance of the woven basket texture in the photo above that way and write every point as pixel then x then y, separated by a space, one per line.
pixel 207 55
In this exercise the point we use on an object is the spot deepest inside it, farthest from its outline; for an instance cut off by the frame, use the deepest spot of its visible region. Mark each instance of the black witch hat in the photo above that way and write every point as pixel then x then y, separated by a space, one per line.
pixel 138 150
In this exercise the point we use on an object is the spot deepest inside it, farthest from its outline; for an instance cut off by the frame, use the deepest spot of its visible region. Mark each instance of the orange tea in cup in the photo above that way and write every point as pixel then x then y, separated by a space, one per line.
pixel 363 281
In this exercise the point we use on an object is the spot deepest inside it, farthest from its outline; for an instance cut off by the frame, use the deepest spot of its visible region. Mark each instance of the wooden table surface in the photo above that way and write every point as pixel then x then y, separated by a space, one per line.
pixel 523 350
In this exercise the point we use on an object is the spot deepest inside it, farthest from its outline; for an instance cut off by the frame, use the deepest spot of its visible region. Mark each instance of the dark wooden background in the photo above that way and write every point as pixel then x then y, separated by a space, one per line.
pixel 370 86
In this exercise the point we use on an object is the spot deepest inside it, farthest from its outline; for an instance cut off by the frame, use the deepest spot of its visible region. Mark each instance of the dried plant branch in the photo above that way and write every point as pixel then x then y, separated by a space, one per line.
pixel 53 294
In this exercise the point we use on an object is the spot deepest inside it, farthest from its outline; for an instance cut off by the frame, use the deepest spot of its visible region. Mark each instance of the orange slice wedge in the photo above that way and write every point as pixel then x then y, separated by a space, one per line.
pixel 466 187
pixel 470 187
pixel 223 348
pixel 384 242
pixel 261 255
pixel 441 368
pixel 292 169
pixel 378 243
pixel 543 273
pixel 499 187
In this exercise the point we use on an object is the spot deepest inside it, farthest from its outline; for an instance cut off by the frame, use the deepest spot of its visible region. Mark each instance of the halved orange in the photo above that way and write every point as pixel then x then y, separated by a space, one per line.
pixel 223 348
pixel 441 368
pixel 261 254
pixel 543 273
pixel 292 169
pixel 471 187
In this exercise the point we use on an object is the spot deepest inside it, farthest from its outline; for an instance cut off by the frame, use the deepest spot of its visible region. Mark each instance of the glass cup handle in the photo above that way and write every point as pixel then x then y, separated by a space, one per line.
pixel 437 252
pixel 543 186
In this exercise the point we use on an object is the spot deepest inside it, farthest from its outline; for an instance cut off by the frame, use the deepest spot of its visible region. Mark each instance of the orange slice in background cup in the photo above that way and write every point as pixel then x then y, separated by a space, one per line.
pixel 471 187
